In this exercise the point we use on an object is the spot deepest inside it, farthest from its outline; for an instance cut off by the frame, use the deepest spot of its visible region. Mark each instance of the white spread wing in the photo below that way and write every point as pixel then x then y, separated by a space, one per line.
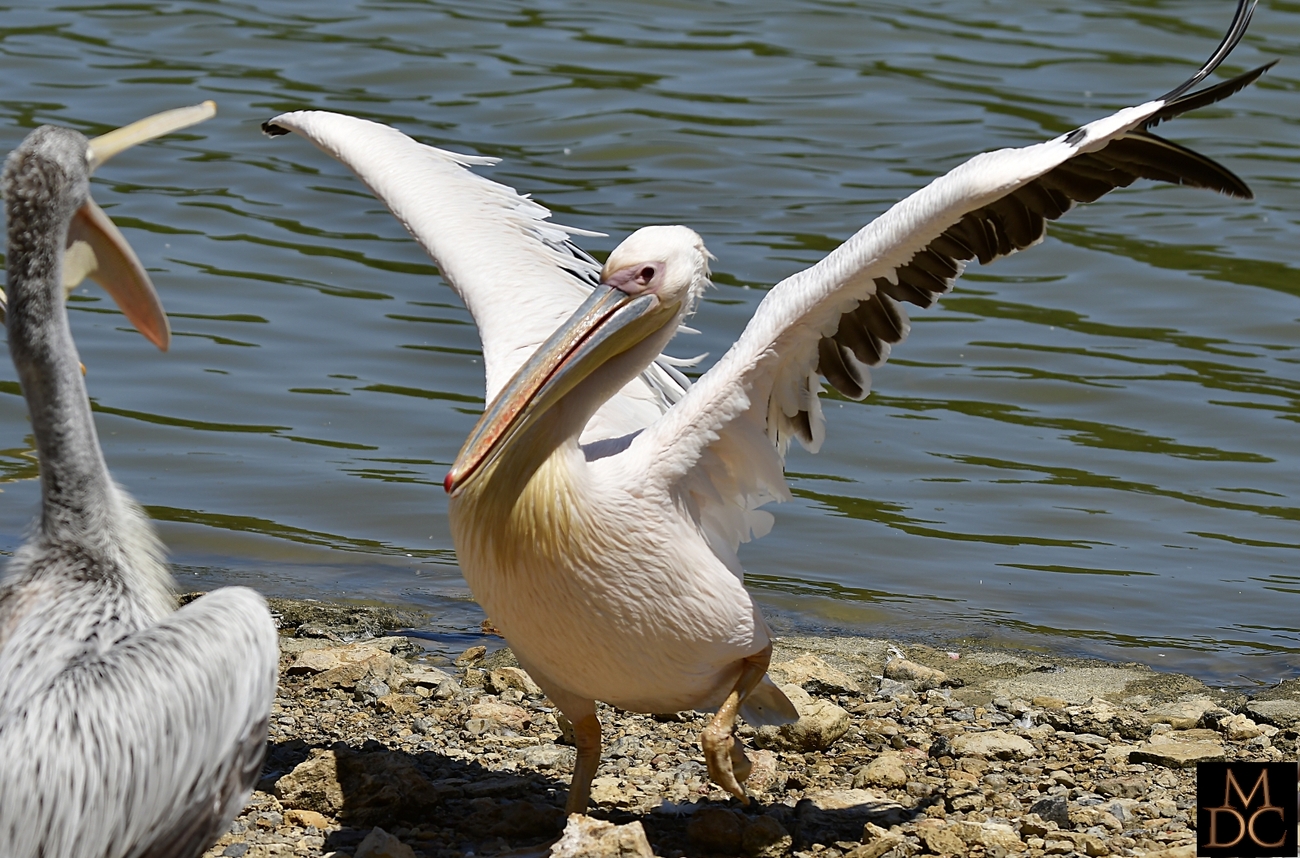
pixel 516 271
pixel 721 449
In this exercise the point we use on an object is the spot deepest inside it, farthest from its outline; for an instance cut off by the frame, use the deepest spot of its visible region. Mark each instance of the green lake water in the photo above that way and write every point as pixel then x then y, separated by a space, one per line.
pixel 1089 447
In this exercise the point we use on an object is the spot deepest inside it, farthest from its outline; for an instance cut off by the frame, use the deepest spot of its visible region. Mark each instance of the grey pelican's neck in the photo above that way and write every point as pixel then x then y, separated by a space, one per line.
pixel 75 484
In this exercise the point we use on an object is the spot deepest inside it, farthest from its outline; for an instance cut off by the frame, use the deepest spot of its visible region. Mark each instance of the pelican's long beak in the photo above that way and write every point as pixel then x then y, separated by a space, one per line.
pixel 608 323
pixel 105 146
pixel 98 250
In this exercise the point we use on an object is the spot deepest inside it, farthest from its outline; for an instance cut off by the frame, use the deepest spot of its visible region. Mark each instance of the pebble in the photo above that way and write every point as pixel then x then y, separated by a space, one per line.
pixel 585 837
pixel 472 758
pixel 924 677
pixel 380 844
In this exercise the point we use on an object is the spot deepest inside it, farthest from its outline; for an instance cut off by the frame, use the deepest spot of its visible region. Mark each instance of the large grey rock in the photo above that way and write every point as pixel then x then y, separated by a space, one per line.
pixel 989 835
pixel 765 837
pixel 1052 809
pixel 1123 787
pixel 472 655
pixel 498 716
pixel 1080 842
pixel 994 743
pixel 889 770
pixel 548 756
pixel 876 841
pixel 346 666
pixel 1279 713
pixel 611 790
pixel 425 675
pixel 398 704
pixel 1239 728
pixel 1072 685
pixel 516 820
pixel 715 829
pixel 820 724
pixel 1180 714
pixel 360 787
pixel 814 675
pixel 763 771
pixel 921 676
pixel 958 838
pixel 939 838
pixel 826 816
pixel 1188 851
pixel 1177 753
pixel 1100 718
pixel 312 785
pixel 503 678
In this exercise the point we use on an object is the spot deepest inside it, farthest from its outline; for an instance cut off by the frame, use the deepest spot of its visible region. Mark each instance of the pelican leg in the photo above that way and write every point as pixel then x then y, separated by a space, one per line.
pixel 723 752
pixel 581 715
pixel 586 737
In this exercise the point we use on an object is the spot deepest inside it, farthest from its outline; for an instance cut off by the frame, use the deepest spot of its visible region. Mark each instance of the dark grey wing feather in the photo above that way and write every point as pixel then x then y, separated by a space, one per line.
pixel 1019 220
pixel 1237 29
pixel 1209 95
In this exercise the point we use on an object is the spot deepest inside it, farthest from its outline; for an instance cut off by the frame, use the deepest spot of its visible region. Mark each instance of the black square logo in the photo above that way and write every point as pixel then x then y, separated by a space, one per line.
pixel 1246 809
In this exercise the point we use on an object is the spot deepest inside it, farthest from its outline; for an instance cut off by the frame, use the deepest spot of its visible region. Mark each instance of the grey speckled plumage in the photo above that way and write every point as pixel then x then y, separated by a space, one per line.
pixel 127 727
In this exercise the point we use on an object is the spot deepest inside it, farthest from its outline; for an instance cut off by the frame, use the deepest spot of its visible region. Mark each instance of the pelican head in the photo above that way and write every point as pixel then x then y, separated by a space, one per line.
pixel 670 261
pixel 51 170
pixel 649 283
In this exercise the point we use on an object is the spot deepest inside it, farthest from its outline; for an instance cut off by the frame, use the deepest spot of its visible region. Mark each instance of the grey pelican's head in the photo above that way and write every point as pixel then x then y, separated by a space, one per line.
pixel 648 284
pixel 46 182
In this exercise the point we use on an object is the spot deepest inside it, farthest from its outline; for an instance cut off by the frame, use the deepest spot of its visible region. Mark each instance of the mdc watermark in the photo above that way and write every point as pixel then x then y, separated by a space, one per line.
pixel 1246 809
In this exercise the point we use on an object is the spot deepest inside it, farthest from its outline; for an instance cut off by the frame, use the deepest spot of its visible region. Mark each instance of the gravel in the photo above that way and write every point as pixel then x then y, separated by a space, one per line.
pixel 378 748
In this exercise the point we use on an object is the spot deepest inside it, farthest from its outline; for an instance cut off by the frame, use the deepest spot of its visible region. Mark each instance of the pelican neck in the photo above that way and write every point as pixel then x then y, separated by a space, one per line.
pixel 75 483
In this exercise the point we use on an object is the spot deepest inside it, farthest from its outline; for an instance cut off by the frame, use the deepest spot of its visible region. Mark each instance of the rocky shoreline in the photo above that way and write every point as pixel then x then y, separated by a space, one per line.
pixel 379 750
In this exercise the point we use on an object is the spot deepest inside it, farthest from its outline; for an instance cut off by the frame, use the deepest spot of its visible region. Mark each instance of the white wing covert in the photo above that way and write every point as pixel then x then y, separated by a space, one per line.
pixel 517 272
pixel 720 450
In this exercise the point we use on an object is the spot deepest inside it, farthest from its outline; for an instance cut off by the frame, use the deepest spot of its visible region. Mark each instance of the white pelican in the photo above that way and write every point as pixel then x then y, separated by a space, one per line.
pixel 127 727
pixel 598 504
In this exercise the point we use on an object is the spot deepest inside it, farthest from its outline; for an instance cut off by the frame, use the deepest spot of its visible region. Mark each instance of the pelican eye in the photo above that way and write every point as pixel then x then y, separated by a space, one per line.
pixel 635 279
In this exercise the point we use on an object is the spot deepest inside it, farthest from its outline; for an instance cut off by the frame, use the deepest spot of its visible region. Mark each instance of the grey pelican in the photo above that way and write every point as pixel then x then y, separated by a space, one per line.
pixel 598 504
pixel 127 727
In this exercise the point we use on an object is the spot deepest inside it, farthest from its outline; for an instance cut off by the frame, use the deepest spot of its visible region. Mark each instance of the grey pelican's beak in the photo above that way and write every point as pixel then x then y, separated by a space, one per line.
pixel 608 323
pixel 98 250
pixel 105 146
